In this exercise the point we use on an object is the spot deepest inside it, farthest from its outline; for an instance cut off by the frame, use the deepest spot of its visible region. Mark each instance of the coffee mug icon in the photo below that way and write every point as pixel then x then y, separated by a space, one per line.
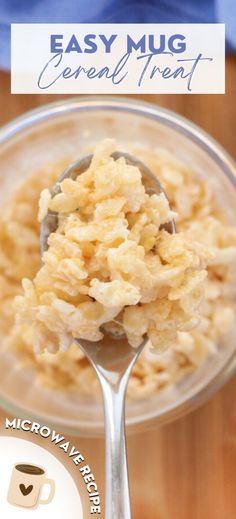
pixel 26 486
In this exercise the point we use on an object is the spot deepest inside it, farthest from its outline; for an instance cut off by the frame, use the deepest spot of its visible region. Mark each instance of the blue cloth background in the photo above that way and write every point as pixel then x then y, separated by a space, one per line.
pixel 116 11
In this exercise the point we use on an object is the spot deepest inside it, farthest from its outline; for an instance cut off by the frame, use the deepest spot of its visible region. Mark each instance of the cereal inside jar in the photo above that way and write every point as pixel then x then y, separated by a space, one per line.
pixel 110 260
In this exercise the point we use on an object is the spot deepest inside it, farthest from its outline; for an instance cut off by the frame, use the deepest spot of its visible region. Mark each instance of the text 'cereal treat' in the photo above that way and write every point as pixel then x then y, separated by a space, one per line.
pixel 110 260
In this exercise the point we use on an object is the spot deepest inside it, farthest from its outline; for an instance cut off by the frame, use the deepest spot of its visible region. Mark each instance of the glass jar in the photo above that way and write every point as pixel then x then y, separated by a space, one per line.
pixel 68 128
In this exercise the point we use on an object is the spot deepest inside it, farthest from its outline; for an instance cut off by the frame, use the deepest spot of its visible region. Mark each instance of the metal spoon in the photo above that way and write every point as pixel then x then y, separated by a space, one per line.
pixel 112 358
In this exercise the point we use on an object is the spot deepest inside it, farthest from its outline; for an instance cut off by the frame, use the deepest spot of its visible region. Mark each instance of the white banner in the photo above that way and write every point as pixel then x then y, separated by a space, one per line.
pixel 118 58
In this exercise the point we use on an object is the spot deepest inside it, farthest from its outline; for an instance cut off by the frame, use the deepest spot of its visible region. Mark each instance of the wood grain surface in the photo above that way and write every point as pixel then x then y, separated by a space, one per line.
pixel 186 470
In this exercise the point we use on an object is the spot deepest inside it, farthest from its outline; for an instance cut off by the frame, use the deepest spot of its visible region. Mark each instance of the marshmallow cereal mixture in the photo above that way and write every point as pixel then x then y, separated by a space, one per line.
pixel 111 261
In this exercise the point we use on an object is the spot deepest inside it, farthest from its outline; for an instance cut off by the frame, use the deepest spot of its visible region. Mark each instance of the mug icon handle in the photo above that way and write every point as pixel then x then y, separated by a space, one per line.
pixel 51 483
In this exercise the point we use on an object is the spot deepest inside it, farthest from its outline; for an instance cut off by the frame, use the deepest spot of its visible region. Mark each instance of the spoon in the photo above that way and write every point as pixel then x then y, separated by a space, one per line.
pixel 112 358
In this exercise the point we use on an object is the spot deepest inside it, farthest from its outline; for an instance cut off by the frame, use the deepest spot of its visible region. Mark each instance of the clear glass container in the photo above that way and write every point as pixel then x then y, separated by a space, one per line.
pixel 67 128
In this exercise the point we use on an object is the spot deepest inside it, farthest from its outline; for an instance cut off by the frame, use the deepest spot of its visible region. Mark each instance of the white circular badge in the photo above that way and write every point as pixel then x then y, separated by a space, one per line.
pixel 34 484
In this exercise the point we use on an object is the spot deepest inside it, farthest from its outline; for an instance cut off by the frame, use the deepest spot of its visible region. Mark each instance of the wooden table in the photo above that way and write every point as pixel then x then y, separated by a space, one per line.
pixel 186 470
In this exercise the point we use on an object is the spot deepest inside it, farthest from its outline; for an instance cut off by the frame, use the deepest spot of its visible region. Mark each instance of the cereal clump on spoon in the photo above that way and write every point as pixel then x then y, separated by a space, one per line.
pixel 110 261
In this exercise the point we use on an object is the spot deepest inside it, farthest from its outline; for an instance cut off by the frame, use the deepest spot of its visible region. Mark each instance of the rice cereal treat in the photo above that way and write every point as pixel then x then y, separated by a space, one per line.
pixel 199 218
pixel 110 260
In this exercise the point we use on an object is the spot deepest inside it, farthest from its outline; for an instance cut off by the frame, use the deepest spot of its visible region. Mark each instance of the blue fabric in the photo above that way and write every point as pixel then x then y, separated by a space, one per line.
pixel 116 11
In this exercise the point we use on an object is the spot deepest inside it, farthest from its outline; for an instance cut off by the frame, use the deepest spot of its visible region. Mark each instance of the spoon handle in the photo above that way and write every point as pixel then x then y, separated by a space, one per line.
pixel 117 484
